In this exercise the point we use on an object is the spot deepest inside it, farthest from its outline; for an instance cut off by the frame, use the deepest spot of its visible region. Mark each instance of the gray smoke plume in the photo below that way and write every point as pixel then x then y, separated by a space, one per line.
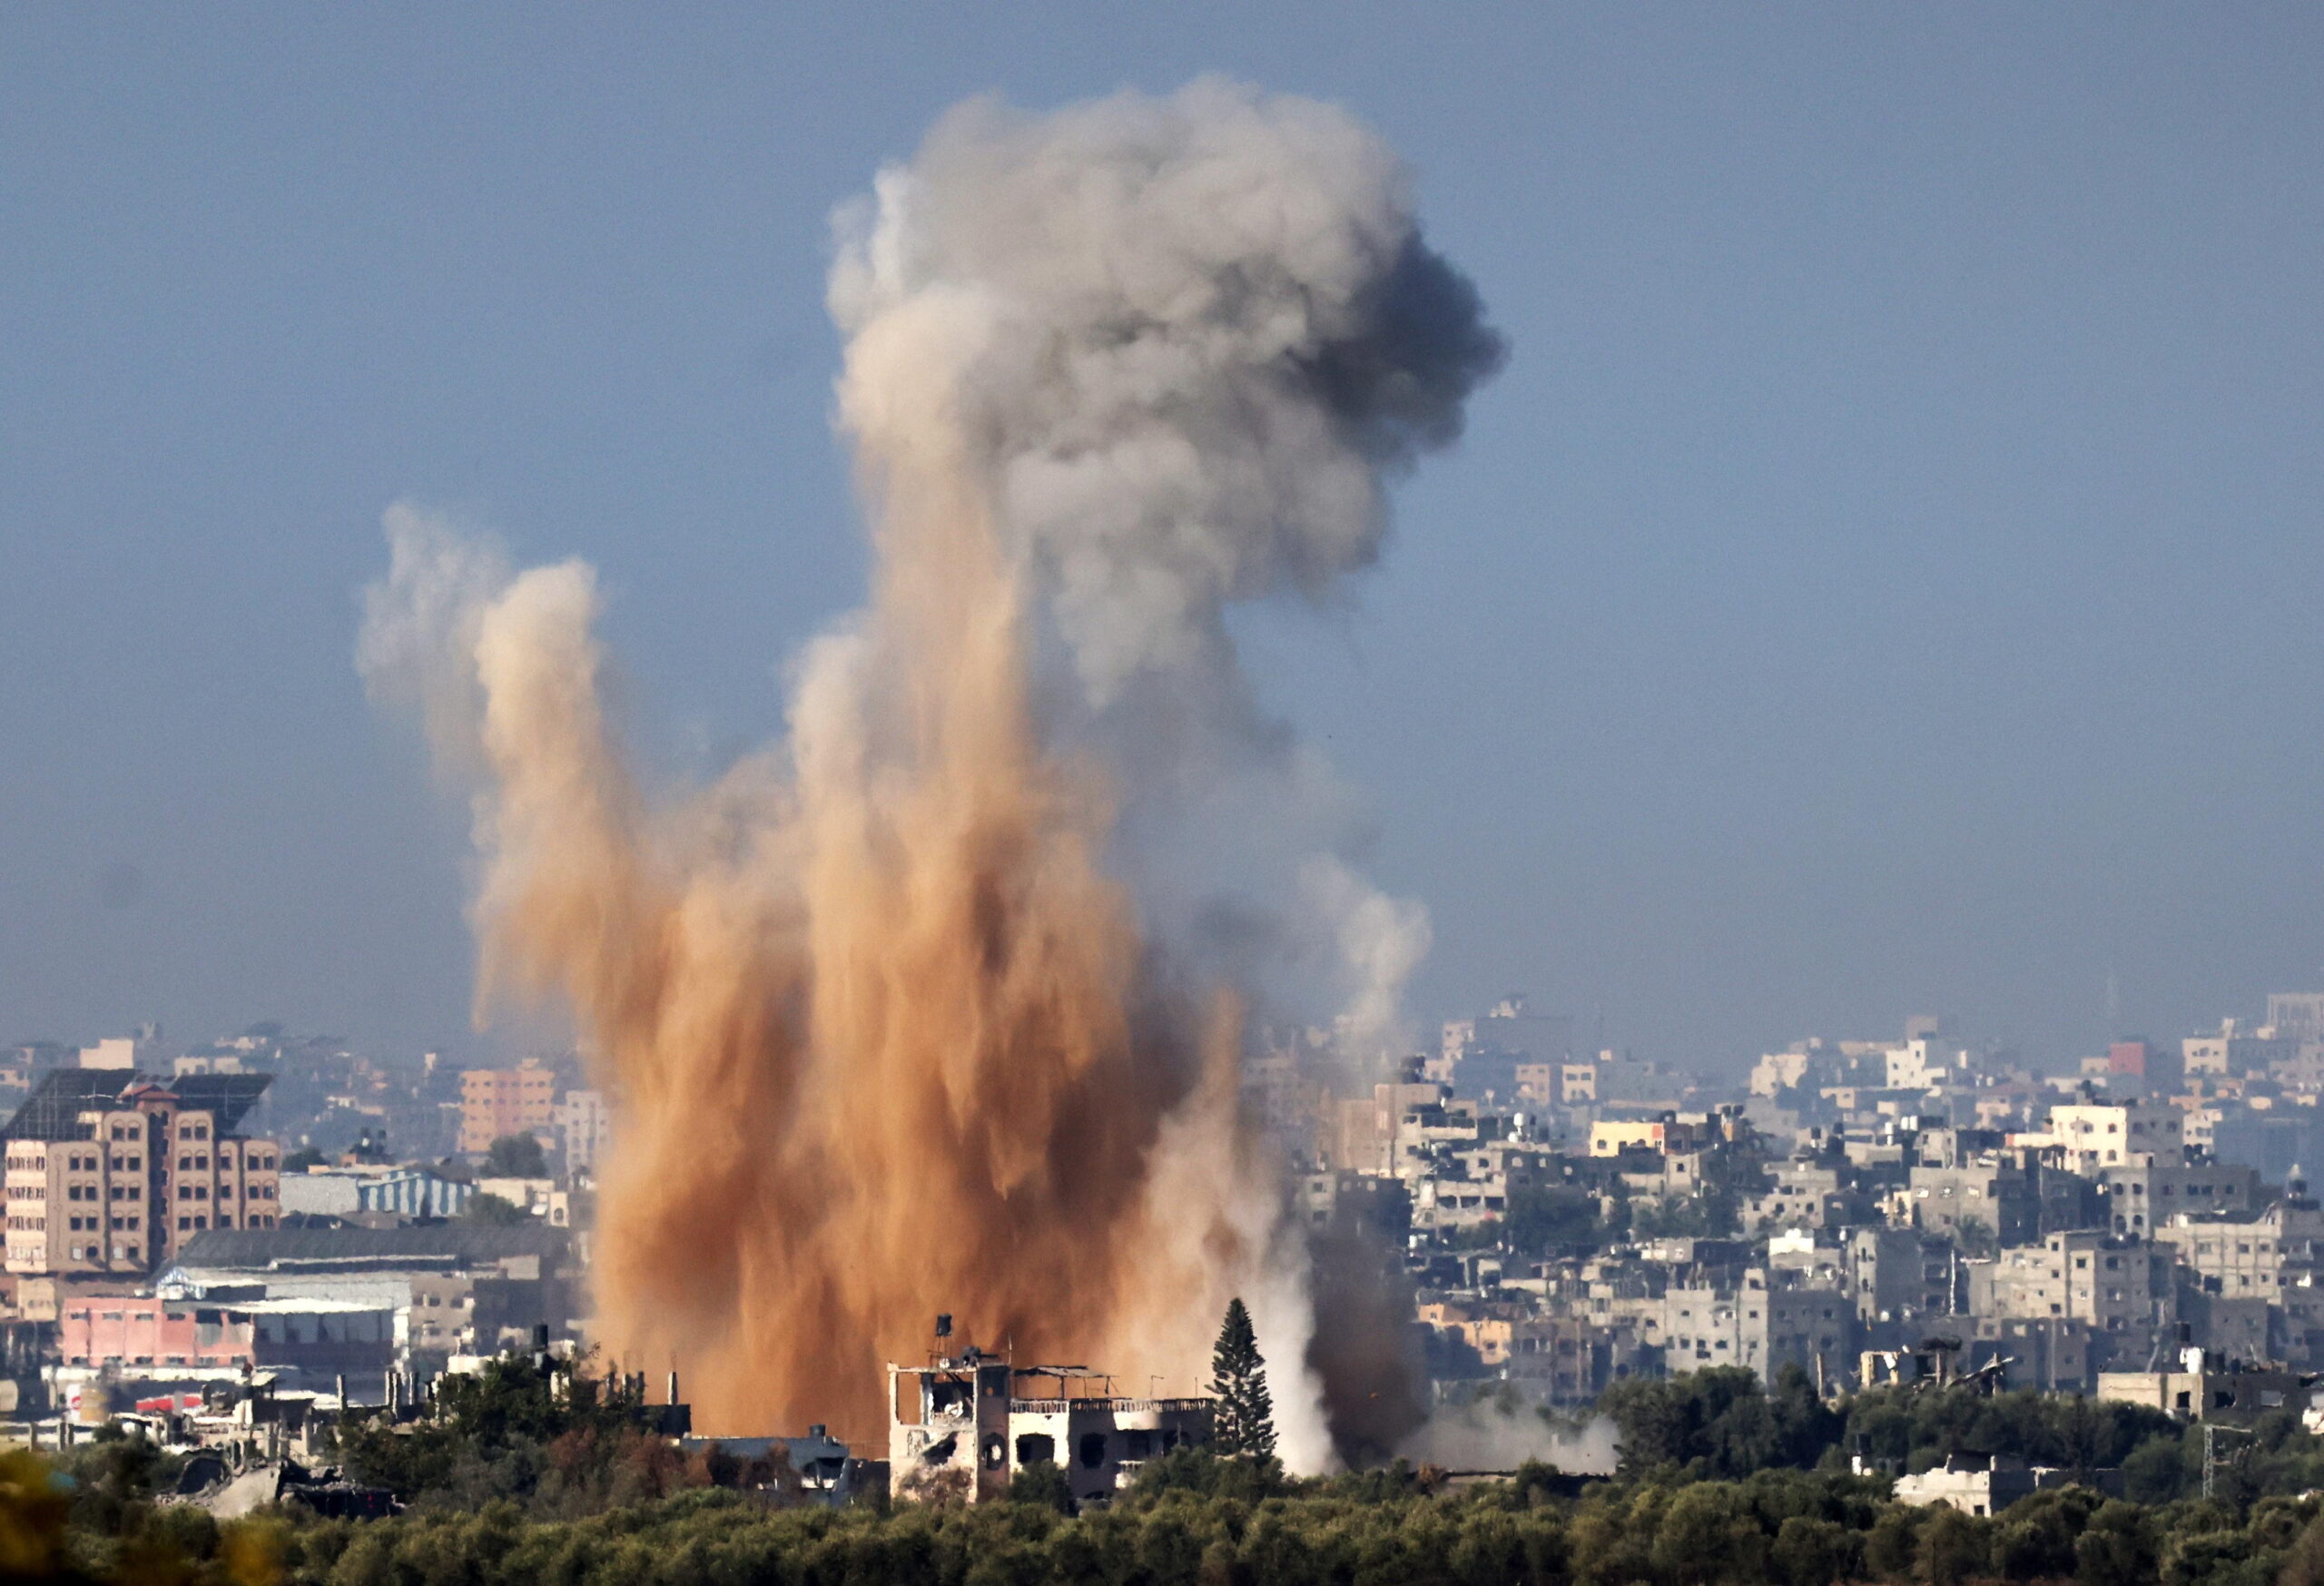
pixel 1184 337
pixel 1188 339
pixel 894 1025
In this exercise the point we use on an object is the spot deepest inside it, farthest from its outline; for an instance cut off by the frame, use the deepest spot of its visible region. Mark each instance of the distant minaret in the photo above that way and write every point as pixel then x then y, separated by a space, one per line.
pixel 2113 1004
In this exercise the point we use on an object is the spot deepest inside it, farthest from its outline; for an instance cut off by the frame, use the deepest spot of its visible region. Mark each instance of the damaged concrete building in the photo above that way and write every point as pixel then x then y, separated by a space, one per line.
pixel 965 1426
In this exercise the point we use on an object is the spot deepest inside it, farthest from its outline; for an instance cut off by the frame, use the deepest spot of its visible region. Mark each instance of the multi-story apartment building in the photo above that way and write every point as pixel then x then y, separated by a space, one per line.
pixel 1923 1064
pixel 1374 1202
pixel 1366 1130
pixel 1563 1082
pixel 1287 1089
pixel 1429 1135
pixel 2264 1256
pixel 2139 1069
pixel 1511 1029
pixel 585 1122
pixel 2234 1052
pixel 1537 1086
pixel 1707 1326
pixel 1668 1131
pixel 2052 1353
pixel 1612 1136
pixel 1521 1164
pixel 1997 1196
pixel 2279 1138
pixel 2090 1137
pixel 1491 1328
pixel 1560 1359
pixel 1809 1194
pixel 2138 1198
pixel 2301 1068
pixel 1761 1325
pixel 2088 1275
pixel 2297 1015
pixel 1810 1327
pixel 1578 1082
pixel 111 1171
pixel 1448 1203
pixel 1899 1274
pixel 495 1103
pixel 1776 1072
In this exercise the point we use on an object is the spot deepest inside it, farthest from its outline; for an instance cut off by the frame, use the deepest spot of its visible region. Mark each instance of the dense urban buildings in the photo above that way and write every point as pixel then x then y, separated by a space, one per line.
pixel 497 1102
pixel 1572 1219
pixel 1864 1211
pixel 110 1170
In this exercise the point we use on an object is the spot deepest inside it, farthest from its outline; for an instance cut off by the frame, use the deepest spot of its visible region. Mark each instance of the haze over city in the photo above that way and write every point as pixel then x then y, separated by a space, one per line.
pixel 1875 585
pixel 1287 794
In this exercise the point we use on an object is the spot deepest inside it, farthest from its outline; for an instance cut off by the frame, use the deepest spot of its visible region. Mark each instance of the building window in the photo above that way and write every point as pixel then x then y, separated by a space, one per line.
pixel 1093 1449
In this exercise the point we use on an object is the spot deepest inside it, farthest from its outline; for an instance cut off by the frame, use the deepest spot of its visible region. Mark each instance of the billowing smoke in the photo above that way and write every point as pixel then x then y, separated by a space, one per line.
pixel 917 1013
pixel 1489 1436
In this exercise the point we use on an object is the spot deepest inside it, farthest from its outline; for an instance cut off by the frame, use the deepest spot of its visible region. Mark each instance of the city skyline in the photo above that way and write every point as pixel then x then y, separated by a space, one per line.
pixel 1280 793
pixel 1873 587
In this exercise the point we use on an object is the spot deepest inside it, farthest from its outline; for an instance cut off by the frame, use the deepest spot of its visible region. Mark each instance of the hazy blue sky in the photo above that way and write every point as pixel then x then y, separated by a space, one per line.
pixel 1886 579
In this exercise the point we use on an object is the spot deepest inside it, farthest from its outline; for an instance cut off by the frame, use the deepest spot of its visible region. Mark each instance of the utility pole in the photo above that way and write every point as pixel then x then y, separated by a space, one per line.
pixel 2212 1462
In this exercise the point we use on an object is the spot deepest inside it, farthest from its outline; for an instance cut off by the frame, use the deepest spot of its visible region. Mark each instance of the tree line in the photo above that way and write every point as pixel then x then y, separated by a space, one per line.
pixel 1197 1519
pixel 524 1478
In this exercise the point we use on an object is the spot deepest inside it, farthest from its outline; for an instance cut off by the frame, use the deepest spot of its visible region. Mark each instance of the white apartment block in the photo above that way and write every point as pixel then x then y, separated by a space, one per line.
pixel 584 1127
pixel 2093 1137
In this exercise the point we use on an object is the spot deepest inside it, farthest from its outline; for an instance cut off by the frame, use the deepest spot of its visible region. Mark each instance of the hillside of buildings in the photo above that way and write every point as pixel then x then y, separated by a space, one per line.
pixel 1881 1310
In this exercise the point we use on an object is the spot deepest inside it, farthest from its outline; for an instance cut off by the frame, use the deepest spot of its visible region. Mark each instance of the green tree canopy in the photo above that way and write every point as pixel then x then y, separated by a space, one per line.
pixel 517 1157
pixel 1719 1423
pixel 1238 1376
pixel 494 1212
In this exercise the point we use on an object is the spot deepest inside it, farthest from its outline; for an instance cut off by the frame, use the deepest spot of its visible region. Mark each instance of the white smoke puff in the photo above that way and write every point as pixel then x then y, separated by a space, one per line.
pixel 1491 1437
pixel 417 650
pixel 1209 324
pixel 1202 1159
pixel 1243 846
pixel 1282 1317
pixel 1380 941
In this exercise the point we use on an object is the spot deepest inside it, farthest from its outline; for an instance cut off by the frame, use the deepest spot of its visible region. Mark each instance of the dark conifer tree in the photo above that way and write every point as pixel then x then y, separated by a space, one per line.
pixel 1238 1376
